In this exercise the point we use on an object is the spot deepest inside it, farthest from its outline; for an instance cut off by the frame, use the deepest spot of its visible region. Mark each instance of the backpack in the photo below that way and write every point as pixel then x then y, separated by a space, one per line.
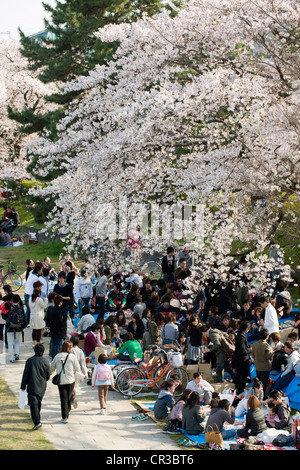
pixel 16 318
pixel 103 373
pixel 227 345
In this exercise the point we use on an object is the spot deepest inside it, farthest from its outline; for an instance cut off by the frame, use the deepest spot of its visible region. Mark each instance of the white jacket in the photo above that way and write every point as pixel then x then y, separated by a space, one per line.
pixel 292 360
pixel 68 376
pixel 84 288
pixel 37 312
pixel 271 320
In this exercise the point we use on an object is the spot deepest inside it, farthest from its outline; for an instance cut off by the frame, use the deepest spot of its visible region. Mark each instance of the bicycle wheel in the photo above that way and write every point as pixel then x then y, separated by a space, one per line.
pixel 125 382
pixel 159 381
pixel 152 269
pixel 13 280
pixel 119 367
pixel 184 378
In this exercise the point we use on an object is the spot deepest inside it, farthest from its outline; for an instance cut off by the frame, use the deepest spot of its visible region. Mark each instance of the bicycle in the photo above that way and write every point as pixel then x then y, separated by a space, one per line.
pixel 131 380
pixel 11 278
pixel 152 269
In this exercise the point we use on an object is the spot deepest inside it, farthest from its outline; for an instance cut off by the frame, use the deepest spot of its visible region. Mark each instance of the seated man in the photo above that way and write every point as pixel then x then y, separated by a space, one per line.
pixel 92 341
pixel 283 410
pixel 293 357
pixel 116 299
pixel 131 346
pixel 201 386
pixel 182 272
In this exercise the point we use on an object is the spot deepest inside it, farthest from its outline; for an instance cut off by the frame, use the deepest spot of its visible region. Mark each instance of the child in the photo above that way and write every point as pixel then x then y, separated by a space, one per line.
pixel 176 413
pixel 165 400
pixel 103 379
pixel 272 416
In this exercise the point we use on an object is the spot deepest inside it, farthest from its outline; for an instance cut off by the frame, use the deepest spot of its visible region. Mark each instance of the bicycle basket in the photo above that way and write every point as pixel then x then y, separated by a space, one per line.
pixel 12 267
pixel 160 353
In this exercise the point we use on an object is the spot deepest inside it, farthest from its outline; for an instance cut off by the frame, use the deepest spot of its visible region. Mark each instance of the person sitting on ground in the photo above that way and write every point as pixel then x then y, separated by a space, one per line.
pixel 86 321
pixel 255 419
pixel 92 341
pixel 192 416
pixel 283 410
pixel 175 422
pixel 136 327
pixel 116 299
pixel 202 387
pixel 220 415
pixel 131 346
pixel 170 331
pixel 139 306
pixel 165 401
pixel 293 357
pixel 166 308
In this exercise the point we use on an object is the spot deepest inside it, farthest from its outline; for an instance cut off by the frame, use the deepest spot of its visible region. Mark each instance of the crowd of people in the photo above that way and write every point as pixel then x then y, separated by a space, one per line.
pixel 225 324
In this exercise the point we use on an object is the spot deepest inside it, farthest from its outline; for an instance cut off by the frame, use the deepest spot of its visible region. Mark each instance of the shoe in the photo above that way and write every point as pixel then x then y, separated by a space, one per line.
pixel 64 420
pixel 17 357
pixel 139 417
pixel 172 430
pixel 12 361
pixel 102 411
pixel 37 426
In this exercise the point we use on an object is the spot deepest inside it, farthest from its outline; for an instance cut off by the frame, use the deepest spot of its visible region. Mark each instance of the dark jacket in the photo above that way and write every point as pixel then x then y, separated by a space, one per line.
pixel 166 268
pixel 242 351
pixel 192 417
pixel 35 376
pixel 255 422
pixel 138 332
pixel 164 403
pixel 57 322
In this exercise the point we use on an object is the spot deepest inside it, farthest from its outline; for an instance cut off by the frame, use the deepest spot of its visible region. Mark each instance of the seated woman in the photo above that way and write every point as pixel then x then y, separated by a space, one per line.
pixel 255 419
pixel 192 417
pixel 131 346
pixel 136 326
pixel 220 415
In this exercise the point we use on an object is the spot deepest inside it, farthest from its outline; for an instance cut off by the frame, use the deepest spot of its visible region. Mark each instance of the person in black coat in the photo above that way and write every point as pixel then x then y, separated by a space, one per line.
pixel 57 322
pixel 35 376
pixel 241 357
pixel 168 265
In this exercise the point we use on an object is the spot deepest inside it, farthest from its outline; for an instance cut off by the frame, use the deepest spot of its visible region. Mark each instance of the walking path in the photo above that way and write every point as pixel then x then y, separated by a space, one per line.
pixel 86 428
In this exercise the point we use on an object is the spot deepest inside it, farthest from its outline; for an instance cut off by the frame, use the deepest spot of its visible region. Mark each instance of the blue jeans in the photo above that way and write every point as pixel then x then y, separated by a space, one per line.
pixel 27 312
pixel 85 303
pixel 169 277
pixel 55 346
pixel 224 365
pixel 228 434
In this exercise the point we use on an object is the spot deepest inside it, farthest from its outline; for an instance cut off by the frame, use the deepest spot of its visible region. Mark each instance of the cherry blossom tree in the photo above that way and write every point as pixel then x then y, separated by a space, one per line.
pixel 19 87
pixel 196 110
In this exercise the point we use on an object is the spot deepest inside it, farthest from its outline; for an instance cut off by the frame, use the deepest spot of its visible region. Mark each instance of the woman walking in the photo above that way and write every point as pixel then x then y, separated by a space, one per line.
pixel 37 306
pixel 68 365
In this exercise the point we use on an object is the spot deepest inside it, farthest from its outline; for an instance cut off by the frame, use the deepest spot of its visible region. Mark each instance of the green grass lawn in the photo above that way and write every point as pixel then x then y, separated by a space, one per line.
pixel 16 425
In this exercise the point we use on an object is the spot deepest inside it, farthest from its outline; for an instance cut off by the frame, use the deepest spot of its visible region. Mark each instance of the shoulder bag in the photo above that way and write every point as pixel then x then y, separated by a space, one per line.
pixel 56 378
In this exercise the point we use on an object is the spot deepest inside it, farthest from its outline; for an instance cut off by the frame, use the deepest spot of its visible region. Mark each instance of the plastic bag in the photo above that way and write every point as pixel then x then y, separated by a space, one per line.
pixel 22 399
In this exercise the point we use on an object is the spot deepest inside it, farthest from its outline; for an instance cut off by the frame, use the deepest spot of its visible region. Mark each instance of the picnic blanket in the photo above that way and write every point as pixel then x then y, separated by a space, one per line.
pixel 238 424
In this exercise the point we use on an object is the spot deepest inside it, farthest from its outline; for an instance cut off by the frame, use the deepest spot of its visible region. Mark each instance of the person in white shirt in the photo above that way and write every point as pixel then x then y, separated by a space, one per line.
pixel 293 358
pixel 204 388
pixel 271 318
pixel 33 277
pixel 83 291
